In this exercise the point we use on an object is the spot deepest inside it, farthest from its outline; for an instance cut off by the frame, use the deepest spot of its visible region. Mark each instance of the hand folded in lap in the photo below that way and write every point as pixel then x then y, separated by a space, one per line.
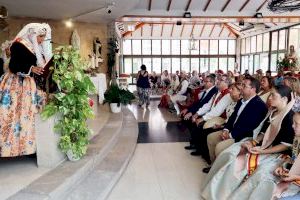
pixel 257 150
pixel 199 120
pixel 247 145
pixel 37 70
pixel 225 135
pixel 194 117
pixel 187 116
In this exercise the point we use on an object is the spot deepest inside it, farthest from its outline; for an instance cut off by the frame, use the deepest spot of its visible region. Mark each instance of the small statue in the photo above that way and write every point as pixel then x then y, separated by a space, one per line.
pixel 97 47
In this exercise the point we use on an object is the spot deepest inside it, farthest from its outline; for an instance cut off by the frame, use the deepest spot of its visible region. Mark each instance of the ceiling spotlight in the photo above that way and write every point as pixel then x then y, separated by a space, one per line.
pixel 187 15
pixel 69 23
pixel 258 15
pixel 241 22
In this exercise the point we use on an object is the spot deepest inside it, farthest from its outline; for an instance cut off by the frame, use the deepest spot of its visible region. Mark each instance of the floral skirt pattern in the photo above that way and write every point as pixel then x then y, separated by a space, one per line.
pixel 20 100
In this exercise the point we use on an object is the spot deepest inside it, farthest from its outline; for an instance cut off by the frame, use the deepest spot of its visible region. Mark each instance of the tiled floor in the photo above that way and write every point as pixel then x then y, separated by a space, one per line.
pixel 160 168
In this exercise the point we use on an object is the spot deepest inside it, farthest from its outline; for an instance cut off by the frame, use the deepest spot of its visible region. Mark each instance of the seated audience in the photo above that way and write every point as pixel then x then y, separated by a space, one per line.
pixel 238 170
pixel 265 88
pixel 165 79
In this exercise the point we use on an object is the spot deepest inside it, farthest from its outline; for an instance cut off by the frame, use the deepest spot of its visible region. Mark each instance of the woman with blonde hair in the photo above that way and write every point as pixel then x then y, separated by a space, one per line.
pixel 20 99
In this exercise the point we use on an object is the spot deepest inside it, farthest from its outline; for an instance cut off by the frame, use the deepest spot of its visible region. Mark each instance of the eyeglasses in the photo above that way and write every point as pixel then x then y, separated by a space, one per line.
pixel 246 86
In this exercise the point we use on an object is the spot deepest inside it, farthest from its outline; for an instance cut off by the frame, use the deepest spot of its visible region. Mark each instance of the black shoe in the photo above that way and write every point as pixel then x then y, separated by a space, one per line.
pixel 196 153
pixel 190 147
pixel 206 170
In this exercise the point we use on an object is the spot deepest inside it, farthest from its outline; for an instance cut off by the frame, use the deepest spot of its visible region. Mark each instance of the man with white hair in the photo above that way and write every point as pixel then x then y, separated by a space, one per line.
pixel 180 95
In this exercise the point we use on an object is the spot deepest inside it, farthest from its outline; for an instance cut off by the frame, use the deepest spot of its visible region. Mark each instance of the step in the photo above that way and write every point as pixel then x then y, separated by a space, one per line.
pixel 99 183
pixel 55 183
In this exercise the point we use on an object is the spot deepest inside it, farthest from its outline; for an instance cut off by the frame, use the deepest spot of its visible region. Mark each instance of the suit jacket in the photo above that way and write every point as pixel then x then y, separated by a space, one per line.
pixel 250 118
pixel 195 107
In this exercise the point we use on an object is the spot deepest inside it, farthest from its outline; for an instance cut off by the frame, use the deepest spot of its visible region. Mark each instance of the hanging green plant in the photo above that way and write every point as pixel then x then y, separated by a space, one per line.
pixel 71 103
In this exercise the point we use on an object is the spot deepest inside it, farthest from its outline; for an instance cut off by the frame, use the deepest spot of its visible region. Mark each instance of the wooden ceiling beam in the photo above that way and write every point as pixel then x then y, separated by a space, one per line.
pixel 258 9
pixel 206 5
pixel 169 5
pixel 244 5
pixel 172 30
pixel 136 28
pixel 212 30
pixel 221 30
pixel 192 30
pixel 182 30
pixel 149 5
pixel 230 29
pixel 162 30
pixel 202 30
pixel 188 5
pixel 225 5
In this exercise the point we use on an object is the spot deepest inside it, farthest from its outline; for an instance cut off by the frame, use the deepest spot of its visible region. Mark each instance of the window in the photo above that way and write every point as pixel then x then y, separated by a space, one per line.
pixel 253 44
pixel 166 64
pixel 156 48
pixel 223 64
pixel 266 42
pixel 213 47
pixel 256 62
pixel 243 46
pixel 248 45
pixel 259 43
pixel 231 62
pixel 246 63
pixel 282 39
pixel 126 47
pixel 231 47
pixel 213 65
pixel 156 65
pixel 195 64
pixel 128 66
pixel 204 65
pixel 273 61
pixel 136 47
pixel 250 66
pixel 185 64
pixel 264 61
pixel 136 65
pixel 185 45
pixel 294 38
pixel 196 52
pixel 166 47
pixel 204 47
pixel 175 64
pixel 175 47
pixel 148 63
pixel 146 47
pixel 223 47
pixel 274 41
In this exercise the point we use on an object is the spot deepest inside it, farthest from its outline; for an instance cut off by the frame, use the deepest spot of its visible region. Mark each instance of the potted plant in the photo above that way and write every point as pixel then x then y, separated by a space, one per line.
pixel 71 103
pixel 116 96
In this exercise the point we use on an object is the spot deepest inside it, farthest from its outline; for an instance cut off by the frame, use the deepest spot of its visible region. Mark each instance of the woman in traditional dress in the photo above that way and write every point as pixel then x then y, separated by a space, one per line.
pixel 243 163
pixel 20 99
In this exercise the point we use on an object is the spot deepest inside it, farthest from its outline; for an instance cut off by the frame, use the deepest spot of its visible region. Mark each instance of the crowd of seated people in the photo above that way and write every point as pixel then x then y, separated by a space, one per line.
pixel 248 132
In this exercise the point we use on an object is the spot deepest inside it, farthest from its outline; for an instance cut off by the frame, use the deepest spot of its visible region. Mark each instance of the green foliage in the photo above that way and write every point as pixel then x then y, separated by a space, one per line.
pixel 286 64
pixel 116 95
pixel 71 102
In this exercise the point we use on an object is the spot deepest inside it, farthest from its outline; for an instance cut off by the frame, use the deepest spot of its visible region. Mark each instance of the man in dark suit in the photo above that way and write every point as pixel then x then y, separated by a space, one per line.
pixel 191 113
pixel 247 115
pixel 1 66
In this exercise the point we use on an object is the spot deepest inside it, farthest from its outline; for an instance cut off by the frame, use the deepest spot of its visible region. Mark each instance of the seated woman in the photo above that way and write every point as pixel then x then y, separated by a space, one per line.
pixel 244 163
pixel 165 98
pixel 165 79
pixel 20 97
pixel 266 85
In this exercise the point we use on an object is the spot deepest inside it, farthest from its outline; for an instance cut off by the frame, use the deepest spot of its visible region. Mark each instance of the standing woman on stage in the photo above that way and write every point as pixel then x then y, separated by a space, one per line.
pixel 20 99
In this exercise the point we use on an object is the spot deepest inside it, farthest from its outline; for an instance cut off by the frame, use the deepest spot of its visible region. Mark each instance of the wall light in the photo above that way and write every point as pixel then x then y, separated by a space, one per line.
pixel 69 23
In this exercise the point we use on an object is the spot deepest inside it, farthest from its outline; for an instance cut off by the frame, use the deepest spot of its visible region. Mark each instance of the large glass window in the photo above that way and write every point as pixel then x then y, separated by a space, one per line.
pixel 231 62
pixel 273 61
pixel 175 47
pixel 126 47
pixel 166 47
pixel 231 47
pixel 266 42
pixel 156 48
pixel 136 64
pixel 223 64
pixel 264 59
pixel 248 45
pixel 282 39
pixel 127 65
pixel 223 47
pixel 204 65
pixel 204 47
pixel 156 63
pixel 175 64
pixel 185 64
pixel 256 62
pixel 259 43
pixel 213 65
pixel 136 47
pixel 274 41
pixel 250 66
pixel 253 44
pixel 166 64
pixel 213 47
pixel 243 46
pixel 196 51
pixel 195 64
pixel 148 63
pixel 185 45
pixel 146 47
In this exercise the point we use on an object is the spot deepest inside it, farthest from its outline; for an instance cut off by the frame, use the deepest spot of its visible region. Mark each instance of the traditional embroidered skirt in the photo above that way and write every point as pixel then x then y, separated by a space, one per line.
pixel 20 100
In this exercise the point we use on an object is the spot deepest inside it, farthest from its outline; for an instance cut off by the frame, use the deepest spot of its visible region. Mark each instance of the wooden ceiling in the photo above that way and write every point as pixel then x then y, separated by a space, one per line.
pixel 210 18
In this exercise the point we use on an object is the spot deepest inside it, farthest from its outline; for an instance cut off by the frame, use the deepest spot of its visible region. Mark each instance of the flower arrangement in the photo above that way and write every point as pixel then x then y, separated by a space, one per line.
pixel 287 64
